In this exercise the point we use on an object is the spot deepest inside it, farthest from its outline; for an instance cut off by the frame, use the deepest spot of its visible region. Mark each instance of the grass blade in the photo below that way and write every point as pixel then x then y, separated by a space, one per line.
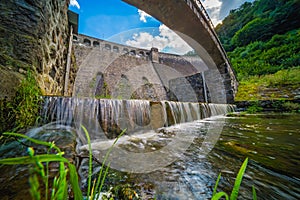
pixel 98 186
pixel 254 193
pixel 219 195
pixel 34 187
pixel 62 190
pixel 32 160
pixel 238 180
pixel 48 144
pixel 75 183
pixel 104 176
pixel 90 160
pixel 216 185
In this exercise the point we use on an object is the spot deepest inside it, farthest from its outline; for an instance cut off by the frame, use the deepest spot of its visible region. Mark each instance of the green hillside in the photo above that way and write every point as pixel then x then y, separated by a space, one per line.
pixel 262 38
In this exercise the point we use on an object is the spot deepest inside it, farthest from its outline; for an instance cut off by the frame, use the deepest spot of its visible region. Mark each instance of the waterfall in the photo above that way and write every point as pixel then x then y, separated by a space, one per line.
pixel 111 116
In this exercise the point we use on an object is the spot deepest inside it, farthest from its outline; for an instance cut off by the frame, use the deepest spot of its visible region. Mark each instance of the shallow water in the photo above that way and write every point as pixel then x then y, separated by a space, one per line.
pixel 271 141
pixel 211 146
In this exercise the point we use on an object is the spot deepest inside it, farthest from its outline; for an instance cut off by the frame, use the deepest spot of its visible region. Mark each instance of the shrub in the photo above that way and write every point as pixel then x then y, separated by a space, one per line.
pixel 290 106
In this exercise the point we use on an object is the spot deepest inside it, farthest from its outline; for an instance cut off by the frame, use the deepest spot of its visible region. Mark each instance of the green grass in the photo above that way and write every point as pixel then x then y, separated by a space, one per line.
pixel 23 109
pixel 271 86
pixel 66 176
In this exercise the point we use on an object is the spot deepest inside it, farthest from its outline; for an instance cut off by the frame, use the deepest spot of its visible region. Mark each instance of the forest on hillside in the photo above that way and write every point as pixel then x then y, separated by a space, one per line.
pixel 262 37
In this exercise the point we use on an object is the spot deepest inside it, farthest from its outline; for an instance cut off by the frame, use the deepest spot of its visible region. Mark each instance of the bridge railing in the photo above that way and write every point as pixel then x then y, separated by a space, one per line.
pixel 199 9
pixel 202 9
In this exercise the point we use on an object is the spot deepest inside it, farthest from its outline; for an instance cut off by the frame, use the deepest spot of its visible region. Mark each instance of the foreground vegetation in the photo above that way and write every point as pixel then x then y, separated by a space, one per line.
pixel 67 172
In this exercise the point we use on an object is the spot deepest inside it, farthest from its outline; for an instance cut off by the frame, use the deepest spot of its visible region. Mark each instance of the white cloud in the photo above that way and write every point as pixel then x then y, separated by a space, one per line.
pixel 143 15
pixel 167 41
pixel 213 7
pixel 74 3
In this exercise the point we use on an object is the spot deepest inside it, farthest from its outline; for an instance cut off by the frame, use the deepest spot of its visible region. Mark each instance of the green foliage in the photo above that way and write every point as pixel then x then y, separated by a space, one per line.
pixel 66 171
pixel 125 192
pixel 105 94
pixel 101 178
pixel 60 184
pixel 254 196
pixel 236 187
pixel 283 77
pixel 254 108
pixel 262 37
pixel 238 180
pixel 258 21
pixel 103 97
pixel 260 58
pixel 6 115
pixel 252 31
pixel 272 86
pixel 25 106
pixel 291 107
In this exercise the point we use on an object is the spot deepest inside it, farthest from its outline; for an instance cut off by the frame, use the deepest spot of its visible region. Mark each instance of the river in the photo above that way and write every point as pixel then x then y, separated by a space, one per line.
pixel 270 140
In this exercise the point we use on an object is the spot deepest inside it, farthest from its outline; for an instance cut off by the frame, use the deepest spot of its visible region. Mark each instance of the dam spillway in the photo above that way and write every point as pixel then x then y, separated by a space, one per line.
pixel 111 116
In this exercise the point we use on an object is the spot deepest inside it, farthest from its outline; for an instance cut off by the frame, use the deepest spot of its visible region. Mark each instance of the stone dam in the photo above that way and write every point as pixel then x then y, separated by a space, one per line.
pixel 110 70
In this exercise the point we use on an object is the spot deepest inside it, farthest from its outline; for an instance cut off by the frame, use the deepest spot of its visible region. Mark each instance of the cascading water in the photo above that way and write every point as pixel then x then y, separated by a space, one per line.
pixel 146 138
pixel 111 116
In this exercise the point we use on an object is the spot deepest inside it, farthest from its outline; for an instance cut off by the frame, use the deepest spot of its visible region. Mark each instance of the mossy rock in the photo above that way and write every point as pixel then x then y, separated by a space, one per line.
pixel 9 81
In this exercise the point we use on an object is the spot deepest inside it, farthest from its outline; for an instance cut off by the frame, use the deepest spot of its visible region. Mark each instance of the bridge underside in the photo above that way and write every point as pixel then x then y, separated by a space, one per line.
pixel 186 19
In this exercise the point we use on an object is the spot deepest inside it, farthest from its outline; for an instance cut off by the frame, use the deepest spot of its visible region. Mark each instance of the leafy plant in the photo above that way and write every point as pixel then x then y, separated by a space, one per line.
pixel 254 108
pixel 40 171
pixel 236 187
pixel 59 190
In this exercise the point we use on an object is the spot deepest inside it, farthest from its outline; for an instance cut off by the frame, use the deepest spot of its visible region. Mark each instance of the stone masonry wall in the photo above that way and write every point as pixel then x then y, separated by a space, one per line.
pixel 108 69
pixel 33 35
pixel 105 73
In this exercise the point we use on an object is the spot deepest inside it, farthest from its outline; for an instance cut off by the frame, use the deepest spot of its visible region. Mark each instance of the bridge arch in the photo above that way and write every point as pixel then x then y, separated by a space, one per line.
pixel 96 44
pixel 141 53
pixel 125 50
pixel 75 38
pixel 116 49
pixel 107 47
pixel 132 52
pixel 87 42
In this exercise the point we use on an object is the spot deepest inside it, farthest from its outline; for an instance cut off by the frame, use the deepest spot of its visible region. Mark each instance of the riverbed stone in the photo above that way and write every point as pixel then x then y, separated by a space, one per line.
pixel 297 97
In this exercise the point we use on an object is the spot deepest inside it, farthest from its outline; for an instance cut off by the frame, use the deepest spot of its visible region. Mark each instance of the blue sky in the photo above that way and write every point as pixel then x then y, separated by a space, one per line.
pixel 119 22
